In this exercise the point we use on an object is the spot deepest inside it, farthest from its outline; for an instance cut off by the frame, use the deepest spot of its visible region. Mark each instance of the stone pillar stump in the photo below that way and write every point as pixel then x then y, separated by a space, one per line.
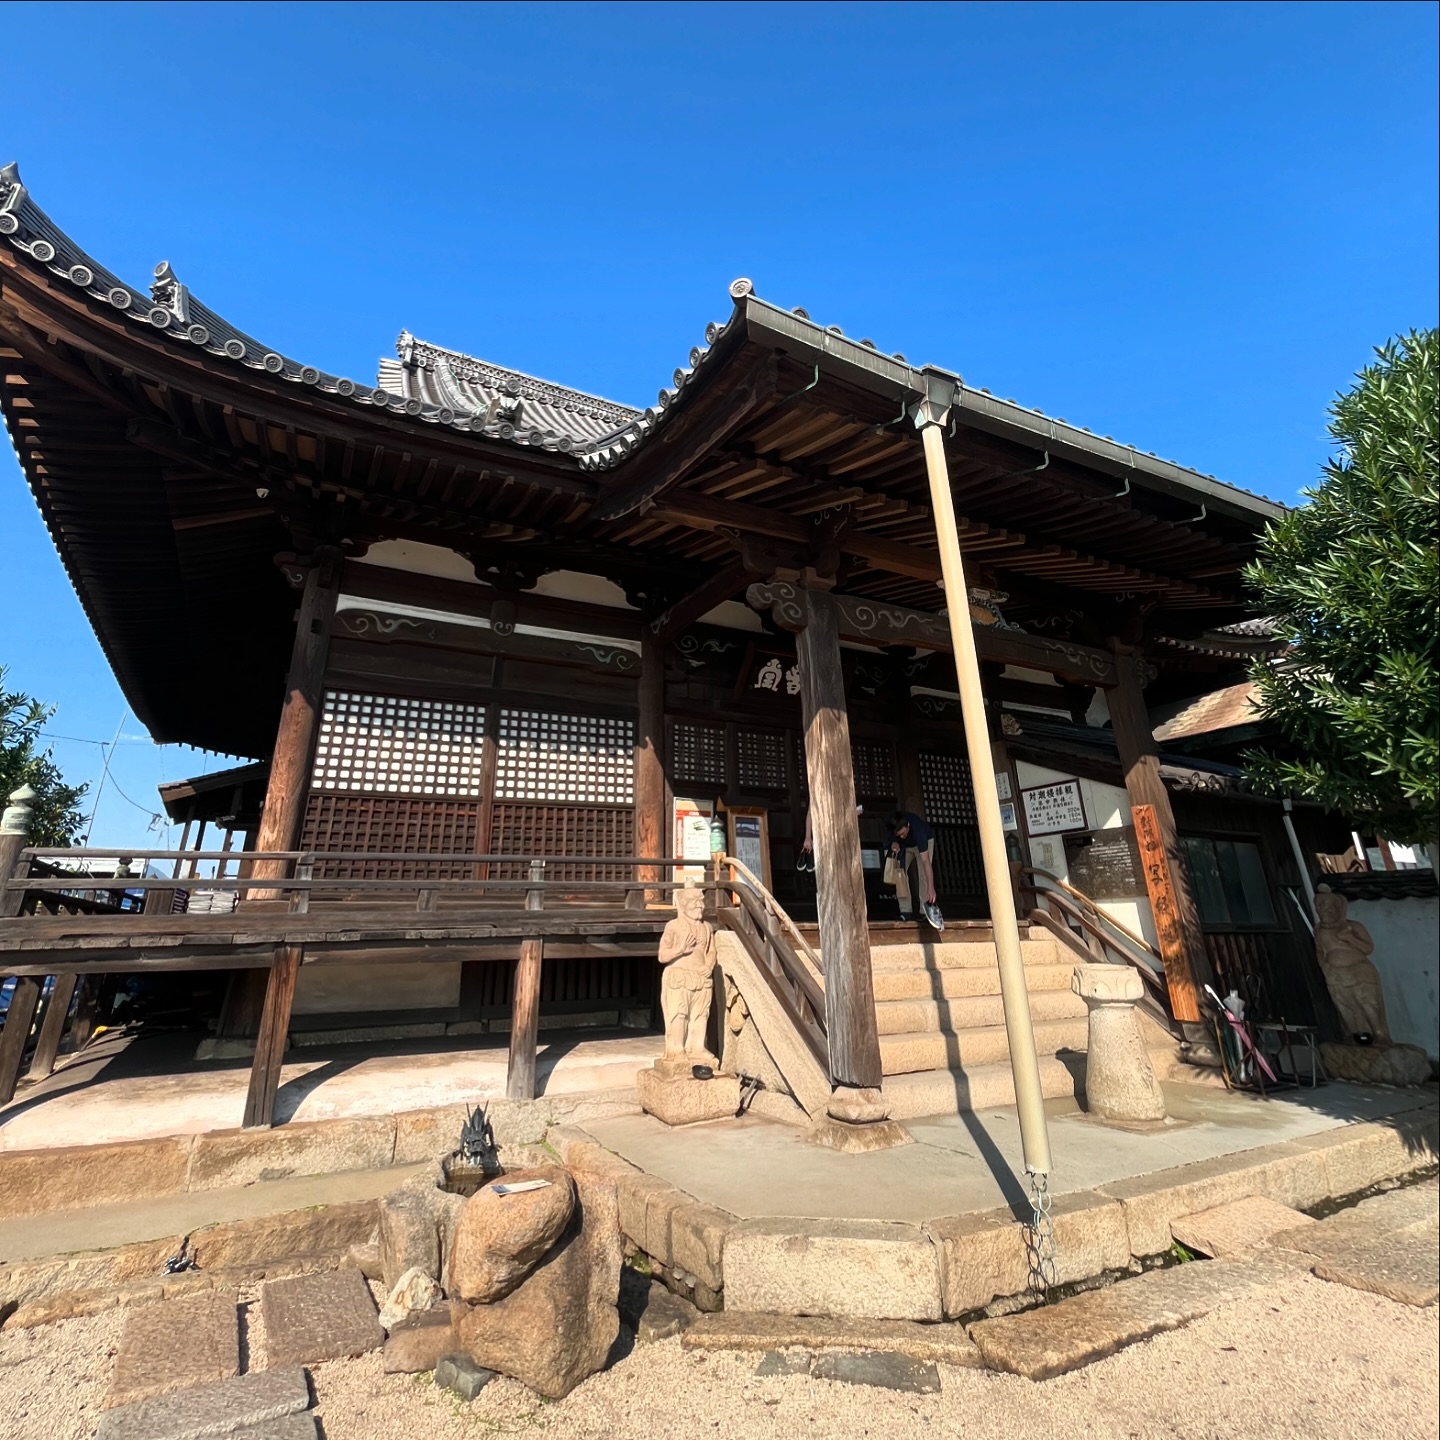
pixel 1120 1082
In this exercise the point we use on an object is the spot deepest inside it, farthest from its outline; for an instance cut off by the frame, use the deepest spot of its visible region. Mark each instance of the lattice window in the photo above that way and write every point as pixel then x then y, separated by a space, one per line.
pixel 394 824
pixel 697 752
pixel 946 782
pixel 874 764
pixel 801 771
pixel 762 759
pixel 585 758
pixel 542 831
pixel 388 744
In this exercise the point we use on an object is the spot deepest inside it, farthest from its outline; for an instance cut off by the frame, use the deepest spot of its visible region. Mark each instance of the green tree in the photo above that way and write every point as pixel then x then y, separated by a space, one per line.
pixel 57 819
pixel 1352 578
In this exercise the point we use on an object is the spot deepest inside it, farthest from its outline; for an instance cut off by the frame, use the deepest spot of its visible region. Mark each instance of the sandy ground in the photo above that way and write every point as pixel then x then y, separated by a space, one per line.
pixel 1306 1359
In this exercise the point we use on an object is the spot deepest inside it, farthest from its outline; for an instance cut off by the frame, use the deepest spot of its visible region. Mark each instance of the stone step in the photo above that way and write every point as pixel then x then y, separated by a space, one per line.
pixel 935 1050
pixel 944 955
pixel 917 984
pixel 982 1087
pixel 899 1017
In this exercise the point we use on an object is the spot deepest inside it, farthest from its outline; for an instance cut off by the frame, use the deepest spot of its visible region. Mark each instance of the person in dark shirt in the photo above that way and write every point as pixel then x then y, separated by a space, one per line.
pixel 913 842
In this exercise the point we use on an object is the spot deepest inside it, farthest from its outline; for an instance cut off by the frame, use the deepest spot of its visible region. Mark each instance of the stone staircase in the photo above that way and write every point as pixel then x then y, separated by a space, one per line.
pixel 942 1026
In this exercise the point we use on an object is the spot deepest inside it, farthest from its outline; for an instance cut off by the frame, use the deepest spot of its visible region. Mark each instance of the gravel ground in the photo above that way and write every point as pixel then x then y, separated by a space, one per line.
pixel 1306 1359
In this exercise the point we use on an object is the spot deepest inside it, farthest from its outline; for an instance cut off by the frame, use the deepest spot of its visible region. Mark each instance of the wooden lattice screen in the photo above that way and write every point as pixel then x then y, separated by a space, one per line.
pixel 391 823
pixel 761 759
pixel 697 753
pixel 874 769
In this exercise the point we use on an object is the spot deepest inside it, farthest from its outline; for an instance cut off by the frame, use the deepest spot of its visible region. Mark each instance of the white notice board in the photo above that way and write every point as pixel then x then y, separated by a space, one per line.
pixel 1054 809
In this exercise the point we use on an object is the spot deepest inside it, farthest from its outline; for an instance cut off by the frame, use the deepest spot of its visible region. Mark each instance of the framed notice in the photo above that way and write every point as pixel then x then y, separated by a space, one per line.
pixel 692 837
pixel 1054 809
pixel 750 840
pixel 1008 820
pixel 1002 787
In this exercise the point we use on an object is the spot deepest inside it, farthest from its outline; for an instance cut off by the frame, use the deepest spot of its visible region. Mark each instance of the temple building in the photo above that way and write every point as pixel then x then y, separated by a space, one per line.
pixel 461 611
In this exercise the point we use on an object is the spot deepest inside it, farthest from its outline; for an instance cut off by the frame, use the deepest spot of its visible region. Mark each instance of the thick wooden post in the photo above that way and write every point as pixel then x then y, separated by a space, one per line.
pixel 270 1043
pixel 650 763
pixel 52 1027
pixel 844 934
pixel 525 1005
pixel 288 787
pixel 16 1035
pixel 14 835
pixel 1182 942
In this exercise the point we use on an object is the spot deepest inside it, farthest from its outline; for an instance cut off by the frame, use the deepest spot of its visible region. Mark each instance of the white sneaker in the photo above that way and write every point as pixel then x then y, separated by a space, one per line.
pixel 936 919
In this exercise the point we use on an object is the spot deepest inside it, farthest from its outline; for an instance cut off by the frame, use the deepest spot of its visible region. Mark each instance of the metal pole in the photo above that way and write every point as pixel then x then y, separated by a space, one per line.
pixel 1301 862
pixel 930 416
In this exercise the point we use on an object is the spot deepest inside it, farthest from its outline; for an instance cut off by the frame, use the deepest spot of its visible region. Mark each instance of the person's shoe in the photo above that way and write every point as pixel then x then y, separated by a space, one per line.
pixel 906 916
pixel 934 917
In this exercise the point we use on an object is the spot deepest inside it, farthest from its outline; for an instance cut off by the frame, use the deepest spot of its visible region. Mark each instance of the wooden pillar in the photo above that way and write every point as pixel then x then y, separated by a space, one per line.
pixel 525 1004
pixel 270 1042
pixel 650 764
pixel 844 934
pixel 1177 920
pixel 52 1027
pixel 85 1009
pixel 288 787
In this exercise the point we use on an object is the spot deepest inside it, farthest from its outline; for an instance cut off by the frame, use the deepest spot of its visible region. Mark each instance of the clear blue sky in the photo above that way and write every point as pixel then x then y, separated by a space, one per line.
pixel 1182 225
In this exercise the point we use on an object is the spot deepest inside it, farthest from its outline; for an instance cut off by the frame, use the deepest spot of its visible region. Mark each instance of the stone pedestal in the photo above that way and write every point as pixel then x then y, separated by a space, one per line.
pixel 1120 1082
pixel 858 1139
pixel 1379 1064
pixel 670 1093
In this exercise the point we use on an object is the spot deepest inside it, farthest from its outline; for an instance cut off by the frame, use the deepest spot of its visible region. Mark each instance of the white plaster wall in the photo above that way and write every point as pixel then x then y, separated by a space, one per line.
pixel 417 559
pixel 1407 938
pixel 341 989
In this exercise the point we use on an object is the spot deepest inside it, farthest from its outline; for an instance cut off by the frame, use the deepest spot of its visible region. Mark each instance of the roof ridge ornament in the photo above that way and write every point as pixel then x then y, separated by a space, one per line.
pixel 167 290
pixel 12 193
pixel 740 288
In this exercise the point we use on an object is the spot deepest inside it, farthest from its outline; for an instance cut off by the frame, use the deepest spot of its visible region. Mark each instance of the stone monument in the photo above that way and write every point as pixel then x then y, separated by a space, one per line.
pixel 1120 1081
pixel 1343 948
pixel 671 1090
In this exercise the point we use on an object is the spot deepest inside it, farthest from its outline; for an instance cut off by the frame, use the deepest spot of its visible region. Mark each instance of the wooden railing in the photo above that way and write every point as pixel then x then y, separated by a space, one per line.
pixel 1093 936
pixel 790 968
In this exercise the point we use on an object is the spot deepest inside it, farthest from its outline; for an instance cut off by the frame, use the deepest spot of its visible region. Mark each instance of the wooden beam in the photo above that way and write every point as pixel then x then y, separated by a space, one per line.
pixel 692 436
pixel 52 1027
pixel 850 1024
pixel 16 1033
pixel 270 1042
pixel 1167 878
pixel 724 585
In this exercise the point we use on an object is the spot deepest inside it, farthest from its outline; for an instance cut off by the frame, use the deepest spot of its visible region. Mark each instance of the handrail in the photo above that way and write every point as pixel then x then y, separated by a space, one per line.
pixel 1087 903
pixel 773 906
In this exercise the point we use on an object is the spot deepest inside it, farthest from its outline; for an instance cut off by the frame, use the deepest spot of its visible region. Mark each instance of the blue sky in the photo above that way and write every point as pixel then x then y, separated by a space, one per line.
pixel 1182 225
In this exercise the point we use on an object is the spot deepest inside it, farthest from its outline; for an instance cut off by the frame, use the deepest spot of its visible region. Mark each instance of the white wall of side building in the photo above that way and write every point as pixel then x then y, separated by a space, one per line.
pixel 1407 955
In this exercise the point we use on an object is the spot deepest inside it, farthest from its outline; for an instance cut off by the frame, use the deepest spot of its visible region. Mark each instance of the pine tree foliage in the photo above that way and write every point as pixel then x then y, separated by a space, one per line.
pixel 1352 578
pixel 57 819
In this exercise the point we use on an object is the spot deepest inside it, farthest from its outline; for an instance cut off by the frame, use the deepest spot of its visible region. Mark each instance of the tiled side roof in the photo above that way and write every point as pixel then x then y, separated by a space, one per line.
pixel 436 376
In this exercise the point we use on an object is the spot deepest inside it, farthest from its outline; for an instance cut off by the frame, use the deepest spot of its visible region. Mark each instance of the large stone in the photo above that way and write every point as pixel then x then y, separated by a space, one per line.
pixel 323 1232
pixel 174 1344
pixel 460 1375
pixel 38 1182
pixel 1236 1227
pixel 225 1158
pixel 1120 1081
pixel 739 1330
pixel 1378 1064
pixel 664 1315
pixel 864 1269
pixel 1399 1267
pixel 414 1291
pixel 558 1326
pixel 881 1368
pixel 697 1242
pixel 409 1236
pixel 1056 1338
pixel 420 1341
pixel 683 1100
pixel 319 1317
pixel 1388 1250
pixel 857 1139
pixel 501 1237
pixel 1352 1158
pixel 216 1409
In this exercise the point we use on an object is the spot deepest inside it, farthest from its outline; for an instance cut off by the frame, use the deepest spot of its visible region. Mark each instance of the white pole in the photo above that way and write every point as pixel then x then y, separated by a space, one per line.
pixel 1301 862
pixel 1024 1063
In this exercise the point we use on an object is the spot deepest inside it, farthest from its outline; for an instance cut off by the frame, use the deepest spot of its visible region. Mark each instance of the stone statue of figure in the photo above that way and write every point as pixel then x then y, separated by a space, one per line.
pixel 1343 947
pixel 687 951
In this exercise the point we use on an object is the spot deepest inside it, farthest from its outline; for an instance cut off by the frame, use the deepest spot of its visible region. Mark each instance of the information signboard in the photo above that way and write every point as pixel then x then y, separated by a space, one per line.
pixel 1054 809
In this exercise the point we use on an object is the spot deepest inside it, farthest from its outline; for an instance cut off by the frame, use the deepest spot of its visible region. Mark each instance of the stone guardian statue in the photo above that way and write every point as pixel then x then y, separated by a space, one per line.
pixel 1343 948
pixel 687 952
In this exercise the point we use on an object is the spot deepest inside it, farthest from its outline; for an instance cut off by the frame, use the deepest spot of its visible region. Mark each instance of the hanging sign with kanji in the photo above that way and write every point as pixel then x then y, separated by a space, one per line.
pixel 1054 809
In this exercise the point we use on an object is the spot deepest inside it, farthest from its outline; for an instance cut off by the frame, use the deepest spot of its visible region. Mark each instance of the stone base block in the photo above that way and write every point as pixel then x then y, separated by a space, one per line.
pixel 1236 1227
pixel 685 1101
pixel 858 1139
pixel 1376 1064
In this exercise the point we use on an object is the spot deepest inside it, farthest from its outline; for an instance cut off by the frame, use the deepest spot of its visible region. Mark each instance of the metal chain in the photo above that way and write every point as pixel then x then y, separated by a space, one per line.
pixel 1040 1238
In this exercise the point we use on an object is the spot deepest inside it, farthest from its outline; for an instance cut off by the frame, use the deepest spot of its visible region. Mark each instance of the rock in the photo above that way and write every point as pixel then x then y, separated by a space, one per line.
pixel 1379 1064
pixel 558 1326
pixel 1237 1227
pixel 415 1290
pixel 409 1236
pixel 173 1345
pixel 783 1362
pixel 1399 1267
pixel 500 1238
pixel 1057 1338
pixel 865 1269
pixel 683 1100
pixel 462 1376
pixel 318 1317
pixel 217 1409
pixel 664 1315
pixel 1120 1081
pixel 326 1231
pixel 420 1341
pixel 861 1139
pixel 368 1258
pixel 221 1159
pixel 736 1330
pixel 878 1367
